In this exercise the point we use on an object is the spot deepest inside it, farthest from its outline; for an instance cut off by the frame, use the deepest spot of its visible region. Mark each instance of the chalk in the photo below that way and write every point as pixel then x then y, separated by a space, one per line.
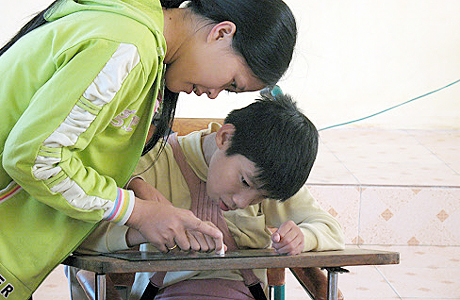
pixel 221 252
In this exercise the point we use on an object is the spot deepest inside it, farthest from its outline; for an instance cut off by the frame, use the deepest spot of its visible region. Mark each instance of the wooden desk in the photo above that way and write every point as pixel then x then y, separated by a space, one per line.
pixel 128 262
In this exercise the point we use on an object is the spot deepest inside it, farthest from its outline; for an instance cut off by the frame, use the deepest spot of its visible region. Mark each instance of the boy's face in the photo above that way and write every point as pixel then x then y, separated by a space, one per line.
pixel 231 179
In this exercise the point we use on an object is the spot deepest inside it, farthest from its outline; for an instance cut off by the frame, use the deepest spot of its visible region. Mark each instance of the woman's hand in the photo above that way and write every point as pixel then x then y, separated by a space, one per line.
pixel 166 226
pixel 198 241
pixel 288 239
pixel 203 243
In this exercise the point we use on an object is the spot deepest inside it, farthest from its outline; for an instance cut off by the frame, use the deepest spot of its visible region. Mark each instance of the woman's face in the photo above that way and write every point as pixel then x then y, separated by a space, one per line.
pixel 208 65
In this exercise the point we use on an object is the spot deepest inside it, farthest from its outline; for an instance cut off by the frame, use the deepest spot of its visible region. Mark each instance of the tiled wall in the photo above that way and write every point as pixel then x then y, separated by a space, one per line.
pixel 391 187
pixel 394 215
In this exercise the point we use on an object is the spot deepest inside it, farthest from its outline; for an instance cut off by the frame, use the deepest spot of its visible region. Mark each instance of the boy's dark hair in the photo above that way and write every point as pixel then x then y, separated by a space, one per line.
pixel 279 139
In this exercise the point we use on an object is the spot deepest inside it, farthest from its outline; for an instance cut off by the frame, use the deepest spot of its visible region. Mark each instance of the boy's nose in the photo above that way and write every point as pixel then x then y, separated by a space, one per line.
pixel 213 93
pixel 241 201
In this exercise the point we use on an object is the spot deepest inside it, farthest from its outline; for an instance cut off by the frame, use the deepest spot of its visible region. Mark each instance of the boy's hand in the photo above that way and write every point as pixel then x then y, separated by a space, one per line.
pixel 288 239
pixel 146 191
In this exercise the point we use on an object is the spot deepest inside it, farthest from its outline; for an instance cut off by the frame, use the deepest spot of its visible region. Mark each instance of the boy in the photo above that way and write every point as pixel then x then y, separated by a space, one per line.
pixel 263 152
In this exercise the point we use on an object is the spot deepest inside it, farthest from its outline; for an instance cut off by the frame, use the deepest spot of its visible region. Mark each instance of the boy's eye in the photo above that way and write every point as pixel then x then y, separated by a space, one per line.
pixel 233 88
pixel 244 182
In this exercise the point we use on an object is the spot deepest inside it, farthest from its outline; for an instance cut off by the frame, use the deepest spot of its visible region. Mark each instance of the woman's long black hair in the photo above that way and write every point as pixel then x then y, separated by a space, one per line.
pixel 265 37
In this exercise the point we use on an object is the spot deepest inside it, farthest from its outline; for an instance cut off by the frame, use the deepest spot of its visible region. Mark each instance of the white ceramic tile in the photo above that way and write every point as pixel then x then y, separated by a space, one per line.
pixel 393 157
pixel 342 202
pixel 365 282
pixel 425 272
pixel 423 216
pixel 424 282
pixel 424 256
pixel 360 284
pixel 378 220
pixel 436 298
pixel 430 172
pixel 443 143
pixel 327 169
pixel 293 289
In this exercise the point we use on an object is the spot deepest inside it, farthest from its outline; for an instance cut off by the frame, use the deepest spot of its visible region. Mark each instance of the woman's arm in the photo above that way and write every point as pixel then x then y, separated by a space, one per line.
pixel 64 150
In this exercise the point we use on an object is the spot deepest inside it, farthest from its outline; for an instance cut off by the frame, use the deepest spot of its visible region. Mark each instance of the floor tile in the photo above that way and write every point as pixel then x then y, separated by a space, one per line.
pixel 328 169
pixel 411 298
pixel 293 290
pixel 442 143
pixel 425 272
pixel 390 157
pixel 363 282
pixel 359 284
pixel 424 282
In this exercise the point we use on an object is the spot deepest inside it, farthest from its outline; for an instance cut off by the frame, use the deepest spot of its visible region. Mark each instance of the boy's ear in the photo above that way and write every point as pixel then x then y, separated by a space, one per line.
pixel 224 135
pixel 222 31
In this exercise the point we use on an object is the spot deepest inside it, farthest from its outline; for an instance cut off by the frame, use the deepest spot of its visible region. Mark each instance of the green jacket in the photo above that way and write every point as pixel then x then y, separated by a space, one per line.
pixel 77 97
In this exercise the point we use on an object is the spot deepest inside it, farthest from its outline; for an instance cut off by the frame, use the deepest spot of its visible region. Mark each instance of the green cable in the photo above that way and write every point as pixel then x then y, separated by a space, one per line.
pixel 276 90
pixel 390 108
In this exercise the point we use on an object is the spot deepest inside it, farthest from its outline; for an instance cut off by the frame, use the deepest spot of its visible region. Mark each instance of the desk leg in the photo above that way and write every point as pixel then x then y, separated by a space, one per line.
pixel 279 292
pixel 101 286
pixel 332 282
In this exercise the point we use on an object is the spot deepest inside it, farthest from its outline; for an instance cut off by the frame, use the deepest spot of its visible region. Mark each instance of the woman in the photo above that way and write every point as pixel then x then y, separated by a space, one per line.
pixel 78 93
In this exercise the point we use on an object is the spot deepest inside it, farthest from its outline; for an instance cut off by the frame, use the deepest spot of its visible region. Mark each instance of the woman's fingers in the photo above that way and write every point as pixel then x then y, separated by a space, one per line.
pixel 213 236
pixel 164 226
pixel 181 239
pixel 194 244
pixel 202 242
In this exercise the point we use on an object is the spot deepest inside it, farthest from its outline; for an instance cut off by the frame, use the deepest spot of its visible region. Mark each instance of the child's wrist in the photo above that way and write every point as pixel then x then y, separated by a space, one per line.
pixel 134 237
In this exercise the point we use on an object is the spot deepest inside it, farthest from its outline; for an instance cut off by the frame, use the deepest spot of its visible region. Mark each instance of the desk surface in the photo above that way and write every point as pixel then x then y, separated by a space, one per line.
pixel 127 262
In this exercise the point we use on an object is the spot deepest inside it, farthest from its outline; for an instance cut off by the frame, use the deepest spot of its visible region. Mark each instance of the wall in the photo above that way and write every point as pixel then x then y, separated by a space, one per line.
pixel 353 58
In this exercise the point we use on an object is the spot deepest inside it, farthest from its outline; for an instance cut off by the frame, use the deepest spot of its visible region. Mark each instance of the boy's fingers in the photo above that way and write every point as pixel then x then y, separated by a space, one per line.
pixel 285 228
pixel 210 242
pixel 220 246
pixel 289 249
pixel 215 244
pixel 276 237
pixel 289 237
